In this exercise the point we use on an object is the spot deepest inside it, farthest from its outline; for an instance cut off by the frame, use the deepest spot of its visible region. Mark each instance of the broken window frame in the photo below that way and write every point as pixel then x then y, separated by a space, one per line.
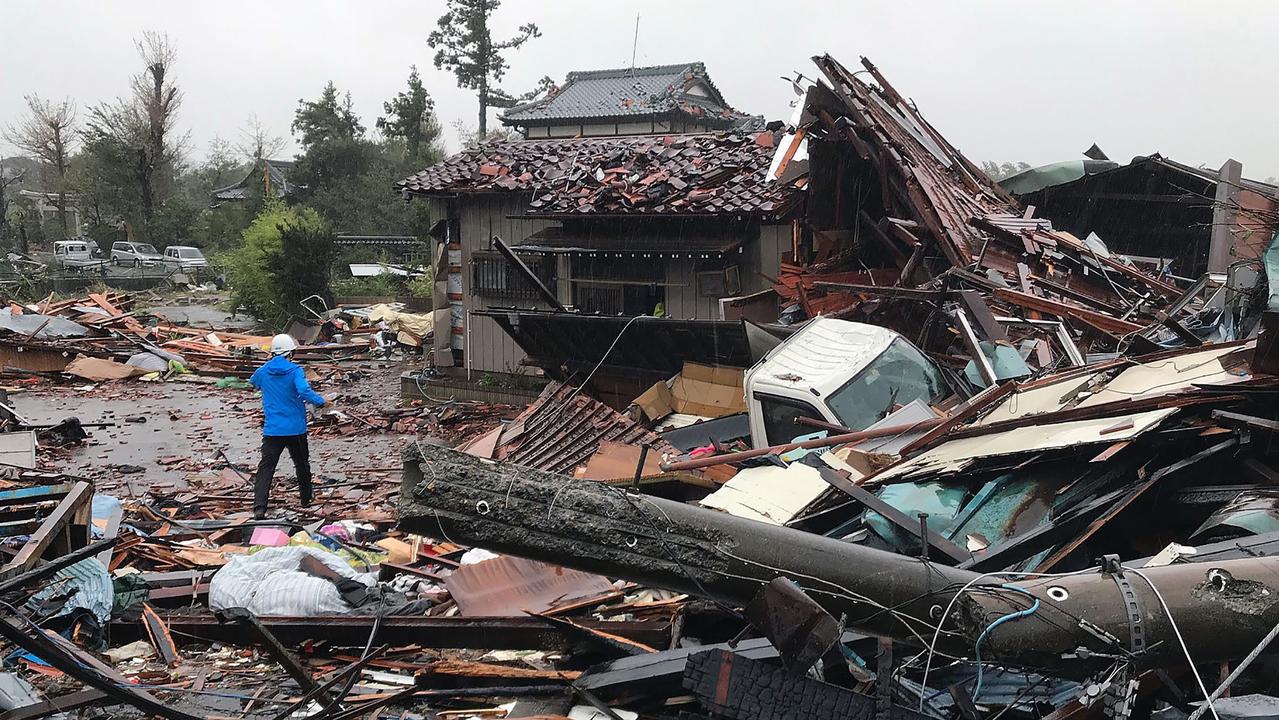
pixel 492 276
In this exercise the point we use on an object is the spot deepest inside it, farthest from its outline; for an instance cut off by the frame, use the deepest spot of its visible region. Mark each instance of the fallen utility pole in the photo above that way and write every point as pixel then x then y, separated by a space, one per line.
pixel 1222 609
pixel 851 438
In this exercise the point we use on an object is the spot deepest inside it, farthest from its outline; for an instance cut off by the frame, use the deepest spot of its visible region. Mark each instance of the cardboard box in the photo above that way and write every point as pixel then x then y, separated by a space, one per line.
pixel 706 390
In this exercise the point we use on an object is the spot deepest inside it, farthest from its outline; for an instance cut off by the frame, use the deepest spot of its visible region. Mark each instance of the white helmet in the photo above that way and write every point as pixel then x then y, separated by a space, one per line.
pixel 283 344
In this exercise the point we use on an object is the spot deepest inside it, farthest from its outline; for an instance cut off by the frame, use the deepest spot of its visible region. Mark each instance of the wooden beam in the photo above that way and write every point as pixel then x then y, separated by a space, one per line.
pixel 57 527
pixel 938 544
pixel 1098 320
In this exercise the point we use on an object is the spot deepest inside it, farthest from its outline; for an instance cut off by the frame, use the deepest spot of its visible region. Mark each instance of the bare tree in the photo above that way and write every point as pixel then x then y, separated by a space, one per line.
pixel 142 128
pixel 5 182
pixel 258 143
pixel 48 133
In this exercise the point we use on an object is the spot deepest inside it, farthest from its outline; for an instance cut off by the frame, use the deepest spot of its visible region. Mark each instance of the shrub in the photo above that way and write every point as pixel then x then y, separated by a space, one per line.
pixel 285 258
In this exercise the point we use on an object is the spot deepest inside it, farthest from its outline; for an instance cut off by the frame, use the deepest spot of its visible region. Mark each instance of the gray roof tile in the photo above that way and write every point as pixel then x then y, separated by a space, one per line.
pixel 629 93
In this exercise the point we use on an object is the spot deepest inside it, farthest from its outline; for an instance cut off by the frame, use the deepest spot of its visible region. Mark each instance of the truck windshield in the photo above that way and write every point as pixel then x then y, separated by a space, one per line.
pixel 189 253
pixel 899 375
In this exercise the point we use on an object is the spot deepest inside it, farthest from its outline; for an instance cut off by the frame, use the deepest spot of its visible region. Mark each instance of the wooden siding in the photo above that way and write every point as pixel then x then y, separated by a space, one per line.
pixel 480 217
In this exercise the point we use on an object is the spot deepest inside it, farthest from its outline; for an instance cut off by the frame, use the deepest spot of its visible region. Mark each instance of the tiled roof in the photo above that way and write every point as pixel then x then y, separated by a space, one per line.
pixel 279 170
pixel 628 93
pixel 702 174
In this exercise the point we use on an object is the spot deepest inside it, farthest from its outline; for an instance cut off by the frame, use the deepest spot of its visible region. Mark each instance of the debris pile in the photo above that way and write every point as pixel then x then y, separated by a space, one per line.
pixel 973 467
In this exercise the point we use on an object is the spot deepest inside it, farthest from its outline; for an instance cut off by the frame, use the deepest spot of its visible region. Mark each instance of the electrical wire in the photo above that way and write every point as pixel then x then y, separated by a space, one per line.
pixel 1010 617
pixel 600 364
pixel 1177 631
pixel 932 647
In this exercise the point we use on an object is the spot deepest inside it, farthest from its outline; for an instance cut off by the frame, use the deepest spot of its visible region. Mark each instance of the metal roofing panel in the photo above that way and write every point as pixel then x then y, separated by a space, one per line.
pixel 958 454
pixel 508 586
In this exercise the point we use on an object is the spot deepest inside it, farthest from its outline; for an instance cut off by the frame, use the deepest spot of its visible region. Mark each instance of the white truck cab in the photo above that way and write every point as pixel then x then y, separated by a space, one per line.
pixel 846 373
pixel 74 253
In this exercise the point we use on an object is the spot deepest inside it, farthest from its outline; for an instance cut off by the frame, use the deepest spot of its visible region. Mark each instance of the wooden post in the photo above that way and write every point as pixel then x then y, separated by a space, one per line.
pixel 1224 219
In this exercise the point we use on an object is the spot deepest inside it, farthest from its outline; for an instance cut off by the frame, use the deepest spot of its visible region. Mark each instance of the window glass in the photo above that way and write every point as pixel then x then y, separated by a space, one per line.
pixel 779 418
pixel 899 375
pixel 146 248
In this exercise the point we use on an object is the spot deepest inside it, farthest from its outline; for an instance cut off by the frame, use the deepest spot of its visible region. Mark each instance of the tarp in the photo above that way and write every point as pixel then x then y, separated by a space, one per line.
pixel 410 328
pixel 271 582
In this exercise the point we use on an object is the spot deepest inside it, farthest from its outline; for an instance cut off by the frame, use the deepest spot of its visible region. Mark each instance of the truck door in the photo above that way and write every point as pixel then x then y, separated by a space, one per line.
pixel 778 416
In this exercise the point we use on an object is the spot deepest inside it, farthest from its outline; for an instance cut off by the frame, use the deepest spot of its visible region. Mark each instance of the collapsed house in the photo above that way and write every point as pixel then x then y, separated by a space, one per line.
pixel 948 461
pixel 1168 216
pixel 1060 483
pixel 611 223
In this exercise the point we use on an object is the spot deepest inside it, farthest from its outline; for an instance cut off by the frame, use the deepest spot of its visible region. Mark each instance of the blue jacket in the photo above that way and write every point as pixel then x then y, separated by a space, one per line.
pixel 284 392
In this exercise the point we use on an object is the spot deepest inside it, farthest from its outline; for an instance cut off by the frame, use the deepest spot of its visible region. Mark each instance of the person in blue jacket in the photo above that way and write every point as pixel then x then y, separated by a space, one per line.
pixel 285 393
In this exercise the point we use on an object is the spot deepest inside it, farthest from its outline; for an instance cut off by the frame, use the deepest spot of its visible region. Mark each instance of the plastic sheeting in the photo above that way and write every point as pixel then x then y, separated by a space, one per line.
pixel 271 582
pixel 1271 259
pixel 410 328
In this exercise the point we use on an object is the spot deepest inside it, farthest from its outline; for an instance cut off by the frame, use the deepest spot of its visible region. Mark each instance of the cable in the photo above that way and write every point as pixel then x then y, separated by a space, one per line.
pixel 949 606
pixel 1010 617
pixel 1176 631
pixel 600 364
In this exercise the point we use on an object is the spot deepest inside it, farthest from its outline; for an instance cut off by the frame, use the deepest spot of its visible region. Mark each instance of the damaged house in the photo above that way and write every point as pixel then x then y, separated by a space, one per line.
pixel 617 224
pixel 1165 214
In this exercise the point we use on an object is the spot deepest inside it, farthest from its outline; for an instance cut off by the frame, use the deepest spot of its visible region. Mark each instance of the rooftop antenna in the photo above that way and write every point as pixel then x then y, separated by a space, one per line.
pixel 635 42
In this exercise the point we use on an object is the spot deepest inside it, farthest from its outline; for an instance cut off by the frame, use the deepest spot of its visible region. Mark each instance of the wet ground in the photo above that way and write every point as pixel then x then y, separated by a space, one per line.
pixel 154 426
pixel 203 316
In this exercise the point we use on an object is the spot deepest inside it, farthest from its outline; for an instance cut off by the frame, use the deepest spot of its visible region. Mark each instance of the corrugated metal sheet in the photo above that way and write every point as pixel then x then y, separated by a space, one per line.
pixel 509 586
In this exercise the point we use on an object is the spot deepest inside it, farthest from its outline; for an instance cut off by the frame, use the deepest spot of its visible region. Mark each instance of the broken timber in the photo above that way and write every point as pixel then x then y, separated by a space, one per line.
pixel 1222 608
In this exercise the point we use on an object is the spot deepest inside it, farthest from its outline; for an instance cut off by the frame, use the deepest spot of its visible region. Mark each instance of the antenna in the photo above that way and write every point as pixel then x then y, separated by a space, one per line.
pixel 635 42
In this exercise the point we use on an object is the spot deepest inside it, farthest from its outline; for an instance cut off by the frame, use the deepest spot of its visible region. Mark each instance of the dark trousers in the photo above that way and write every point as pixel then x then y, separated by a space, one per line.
pixel 272 446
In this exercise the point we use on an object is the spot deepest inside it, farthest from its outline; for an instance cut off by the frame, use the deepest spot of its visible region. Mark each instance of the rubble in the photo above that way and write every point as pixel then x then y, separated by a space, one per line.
pixel 970 466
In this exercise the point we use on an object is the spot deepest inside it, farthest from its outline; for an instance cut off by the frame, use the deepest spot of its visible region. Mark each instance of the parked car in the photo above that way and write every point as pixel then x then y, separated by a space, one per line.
pixel 184 257
pixel 135 254
pixel 76 253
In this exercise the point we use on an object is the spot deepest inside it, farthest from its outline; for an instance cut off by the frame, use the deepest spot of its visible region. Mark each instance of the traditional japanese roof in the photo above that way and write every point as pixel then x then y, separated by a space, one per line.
pixel 697 174
pixel 661 91
pixel 278 172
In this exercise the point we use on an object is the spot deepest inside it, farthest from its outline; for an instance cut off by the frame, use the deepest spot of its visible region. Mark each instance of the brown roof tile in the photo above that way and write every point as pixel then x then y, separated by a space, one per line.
pixel 647 174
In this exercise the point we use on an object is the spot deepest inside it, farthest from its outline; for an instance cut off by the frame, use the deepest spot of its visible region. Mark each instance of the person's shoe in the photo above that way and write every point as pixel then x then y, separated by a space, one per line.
pixel 259 514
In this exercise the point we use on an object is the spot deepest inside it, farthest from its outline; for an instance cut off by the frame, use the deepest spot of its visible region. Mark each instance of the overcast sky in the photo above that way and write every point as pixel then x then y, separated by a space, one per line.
pixel 1003 80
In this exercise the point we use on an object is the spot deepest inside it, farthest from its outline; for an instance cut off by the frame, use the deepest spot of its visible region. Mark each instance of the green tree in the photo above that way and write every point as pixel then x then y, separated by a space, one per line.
pixel 326 119
pixel 999 171
pixel 410 116
pixel 347 177
pixel 285 258
pixel 334 150
pixel 464 46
